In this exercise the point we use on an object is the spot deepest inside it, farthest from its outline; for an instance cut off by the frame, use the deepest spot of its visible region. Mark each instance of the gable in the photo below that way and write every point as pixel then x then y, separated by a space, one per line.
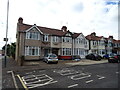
pixel 34 28
pixel 68 34
pixel 102 39
pixel 81 36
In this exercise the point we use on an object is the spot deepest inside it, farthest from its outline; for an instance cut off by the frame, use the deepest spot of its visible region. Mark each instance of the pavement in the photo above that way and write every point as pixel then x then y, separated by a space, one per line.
pixel 88 62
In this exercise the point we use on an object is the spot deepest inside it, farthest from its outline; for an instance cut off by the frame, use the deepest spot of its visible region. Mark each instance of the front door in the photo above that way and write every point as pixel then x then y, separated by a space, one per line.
pixel 55 51
pixel 46 51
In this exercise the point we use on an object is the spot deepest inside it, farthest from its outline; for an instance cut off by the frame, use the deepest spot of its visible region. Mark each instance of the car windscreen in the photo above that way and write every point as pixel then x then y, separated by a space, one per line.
pixel 53 56
pixel 112 55
pixel 96 54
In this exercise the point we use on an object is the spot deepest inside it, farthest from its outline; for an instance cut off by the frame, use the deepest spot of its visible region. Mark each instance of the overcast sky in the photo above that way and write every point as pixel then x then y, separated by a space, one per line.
pixel 86 16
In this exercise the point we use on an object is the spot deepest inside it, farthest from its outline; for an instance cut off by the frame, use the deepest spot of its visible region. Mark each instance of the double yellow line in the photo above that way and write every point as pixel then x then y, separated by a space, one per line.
pixel 22 82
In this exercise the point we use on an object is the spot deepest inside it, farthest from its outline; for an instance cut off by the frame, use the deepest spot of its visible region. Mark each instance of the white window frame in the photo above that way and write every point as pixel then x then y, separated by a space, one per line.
pixel 29 52
pixel 45 38
pixel 67 39
pixel 33 35
pixel 66 51
pixel 55 39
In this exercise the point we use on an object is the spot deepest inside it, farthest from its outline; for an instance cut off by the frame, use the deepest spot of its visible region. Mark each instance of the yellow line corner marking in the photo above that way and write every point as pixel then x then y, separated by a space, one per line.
pixel 22 82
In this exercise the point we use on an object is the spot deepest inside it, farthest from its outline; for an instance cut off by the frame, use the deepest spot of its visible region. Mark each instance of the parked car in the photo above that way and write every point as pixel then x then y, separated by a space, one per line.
pixel 114 58
pixel 93 56
pixel 76 57
pixel 106 56
pixel 50 58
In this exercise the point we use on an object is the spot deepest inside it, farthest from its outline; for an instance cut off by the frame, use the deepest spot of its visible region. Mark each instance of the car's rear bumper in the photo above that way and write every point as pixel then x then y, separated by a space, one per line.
pixel 113 60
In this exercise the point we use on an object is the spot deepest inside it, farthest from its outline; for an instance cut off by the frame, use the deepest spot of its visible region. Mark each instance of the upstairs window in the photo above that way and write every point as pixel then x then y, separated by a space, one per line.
pixel 102 43
pixel 45 38
pixel 80 41
pixel 55 39
pixel 33 35
pixel 67 39
pixel 94 43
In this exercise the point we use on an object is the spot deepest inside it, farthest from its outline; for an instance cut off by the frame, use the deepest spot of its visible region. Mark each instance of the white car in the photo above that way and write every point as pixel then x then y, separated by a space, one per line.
pixel 50 58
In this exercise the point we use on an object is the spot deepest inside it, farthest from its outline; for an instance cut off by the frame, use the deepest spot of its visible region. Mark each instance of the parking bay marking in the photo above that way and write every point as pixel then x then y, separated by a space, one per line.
pixel 32 81
pixel 72 85
pixel 89 81
pixel 117 72
pixel 79 76
pixel 100 77
pixel 76 74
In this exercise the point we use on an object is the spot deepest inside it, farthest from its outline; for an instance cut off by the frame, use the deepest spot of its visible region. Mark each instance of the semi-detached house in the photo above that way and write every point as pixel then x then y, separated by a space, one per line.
pixel 33 42
pixel 96 44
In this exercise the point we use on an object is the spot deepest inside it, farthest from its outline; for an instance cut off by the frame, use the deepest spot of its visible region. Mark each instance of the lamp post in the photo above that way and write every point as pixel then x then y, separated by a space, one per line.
pixel 6 39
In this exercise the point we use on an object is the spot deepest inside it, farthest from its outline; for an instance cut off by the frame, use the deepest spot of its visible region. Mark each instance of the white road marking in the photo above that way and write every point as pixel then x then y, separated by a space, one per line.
pixel 32 81
pixel 98 75
pixel 117 72
pixel 80 76
pixel 89 81
pixel 64 72
pixel 101 77
pixel 72 85
pixel 38 85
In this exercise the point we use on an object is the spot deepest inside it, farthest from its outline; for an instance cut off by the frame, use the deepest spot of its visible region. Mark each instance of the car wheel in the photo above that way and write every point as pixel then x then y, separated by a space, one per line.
pixel 56 62
pixel 109 61
pixel 47 62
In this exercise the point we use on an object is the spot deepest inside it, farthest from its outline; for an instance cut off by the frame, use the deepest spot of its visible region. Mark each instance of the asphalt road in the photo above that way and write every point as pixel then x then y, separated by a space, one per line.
pixel 87 76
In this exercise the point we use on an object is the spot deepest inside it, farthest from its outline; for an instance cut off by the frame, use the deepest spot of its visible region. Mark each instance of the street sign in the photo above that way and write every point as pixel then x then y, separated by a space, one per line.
pixel 5 39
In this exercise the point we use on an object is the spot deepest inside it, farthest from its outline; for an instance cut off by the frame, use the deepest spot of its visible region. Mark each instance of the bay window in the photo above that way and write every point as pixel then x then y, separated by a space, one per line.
pixel 66 51
pixel 32 51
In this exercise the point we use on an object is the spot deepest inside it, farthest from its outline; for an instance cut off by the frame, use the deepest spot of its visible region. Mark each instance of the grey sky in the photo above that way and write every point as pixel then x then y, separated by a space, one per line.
pixel 84 16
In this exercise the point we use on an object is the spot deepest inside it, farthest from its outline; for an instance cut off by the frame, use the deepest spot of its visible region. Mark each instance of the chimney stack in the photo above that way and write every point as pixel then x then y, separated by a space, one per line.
pixel 20 20
pixel 111 37
pixel 64 28
pixel 93 34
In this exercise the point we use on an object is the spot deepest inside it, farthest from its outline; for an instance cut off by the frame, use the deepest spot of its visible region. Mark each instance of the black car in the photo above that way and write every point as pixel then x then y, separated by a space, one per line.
pixel 76 57
pixel 114 58
pixel 93 56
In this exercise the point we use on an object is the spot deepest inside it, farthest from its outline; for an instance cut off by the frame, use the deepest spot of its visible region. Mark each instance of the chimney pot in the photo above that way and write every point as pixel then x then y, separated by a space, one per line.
pixel 20 20
pixel 64 28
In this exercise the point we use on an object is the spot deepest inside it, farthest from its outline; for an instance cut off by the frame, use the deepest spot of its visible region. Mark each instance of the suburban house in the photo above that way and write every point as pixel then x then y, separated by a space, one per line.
pixel 116 46
pixel 33 42
pixel 81 45
pixel 96 44
pixel 112 45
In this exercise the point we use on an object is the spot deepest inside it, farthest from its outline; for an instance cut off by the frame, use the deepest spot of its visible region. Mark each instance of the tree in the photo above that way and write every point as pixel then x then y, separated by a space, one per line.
pixel 13 48
pixel 10 49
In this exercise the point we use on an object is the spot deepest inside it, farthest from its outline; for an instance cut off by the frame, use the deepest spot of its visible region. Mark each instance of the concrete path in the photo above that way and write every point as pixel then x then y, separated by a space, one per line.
pixel 87 62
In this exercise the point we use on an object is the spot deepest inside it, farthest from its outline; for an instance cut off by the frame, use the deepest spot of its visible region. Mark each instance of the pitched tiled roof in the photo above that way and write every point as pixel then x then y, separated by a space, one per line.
pixel 46 30
pixel 90 37
pixel 116 41
pixel 75 35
